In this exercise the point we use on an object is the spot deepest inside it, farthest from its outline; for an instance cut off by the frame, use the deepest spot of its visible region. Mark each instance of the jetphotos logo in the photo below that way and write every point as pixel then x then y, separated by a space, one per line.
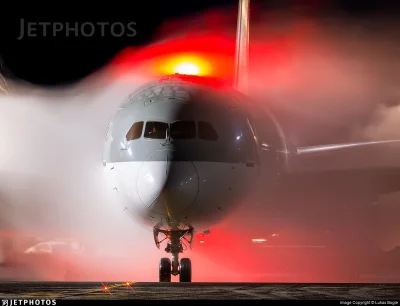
pixel 22 302
pixel 29 29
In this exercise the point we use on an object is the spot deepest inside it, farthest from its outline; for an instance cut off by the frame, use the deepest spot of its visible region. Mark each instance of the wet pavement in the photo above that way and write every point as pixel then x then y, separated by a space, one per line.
pixel 220 291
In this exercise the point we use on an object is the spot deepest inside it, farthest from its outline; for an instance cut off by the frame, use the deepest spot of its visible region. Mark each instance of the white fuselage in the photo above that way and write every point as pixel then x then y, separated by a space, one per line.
pixel 220 188
pixel 182 153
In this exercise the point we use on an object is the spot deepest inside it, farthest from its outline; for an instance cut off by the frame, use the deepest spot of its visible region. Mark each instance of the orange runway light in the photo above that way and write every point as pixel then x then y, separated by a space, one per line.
pixel 128 284
pixel 105 287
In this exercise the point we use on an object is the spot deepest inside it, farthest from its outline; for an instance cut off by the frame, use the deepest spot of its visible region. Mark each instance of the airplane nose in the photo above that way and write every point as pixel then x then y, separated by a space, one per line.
pixel 165 186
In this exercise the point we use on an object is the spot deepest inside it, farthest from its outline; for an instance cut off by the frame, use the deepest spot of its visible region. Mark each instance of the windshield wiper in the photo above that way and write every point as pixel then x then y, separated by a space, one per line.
pixel 169 140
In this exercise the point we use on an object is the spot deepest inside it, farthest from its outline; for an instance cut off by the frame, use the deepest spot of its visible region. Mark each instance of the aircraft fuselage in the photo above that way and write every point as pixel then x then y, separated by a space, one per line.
pixel 183 153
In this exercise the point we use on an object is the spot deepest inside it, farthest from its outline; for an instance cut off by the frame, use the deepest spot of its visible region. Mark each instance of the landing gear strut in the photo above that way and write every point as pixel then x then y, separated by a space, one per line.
pixel 174 267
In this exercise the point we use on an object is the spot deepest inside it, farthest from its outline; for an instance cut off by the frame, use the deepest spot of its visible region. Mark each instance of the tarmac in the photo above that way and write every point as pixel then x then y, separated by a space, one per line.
pixel 194 291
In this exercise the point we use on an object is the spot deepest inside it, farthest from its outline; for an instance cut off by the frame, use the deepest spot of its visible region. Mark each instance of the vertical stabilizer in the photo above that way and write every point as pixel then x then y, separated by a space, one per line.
pixel 242 47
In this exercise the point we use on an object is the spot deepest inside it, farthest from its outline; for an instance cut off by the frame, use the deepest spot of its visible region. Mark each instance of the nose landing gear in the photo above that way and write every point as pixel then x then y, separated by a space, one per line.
pixel 174 267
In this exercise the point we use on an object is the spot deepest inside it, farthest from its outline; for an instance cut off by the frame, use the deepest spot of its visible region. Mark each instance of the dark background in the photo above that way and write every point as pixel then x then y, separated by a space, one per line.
pixel 64 60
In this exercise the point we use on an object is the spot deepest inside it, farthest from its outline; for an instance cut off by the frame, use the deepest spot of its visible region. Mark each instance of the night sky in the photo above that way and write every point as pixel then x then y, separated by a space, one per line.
pixel 63 60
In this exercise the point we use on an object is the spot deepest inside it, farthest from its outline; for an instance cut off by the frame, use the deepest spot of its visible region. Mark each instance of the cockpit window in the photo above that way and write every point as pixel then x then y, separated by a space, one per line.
pixel 183 130
pixel 135 131
pixel 207 132
pixel 156 130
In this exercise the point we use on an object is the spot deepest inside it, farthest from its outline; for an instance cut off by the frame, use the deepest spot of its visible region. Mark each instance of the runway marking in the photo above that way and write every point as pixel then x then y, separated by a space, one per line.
pixel 286 294
pixel 364 292
pixel 89 292
pixel 121 290
pixel 38 294
pixel 370 293
pixel 108 290
pixel 252 294
pixel 326 292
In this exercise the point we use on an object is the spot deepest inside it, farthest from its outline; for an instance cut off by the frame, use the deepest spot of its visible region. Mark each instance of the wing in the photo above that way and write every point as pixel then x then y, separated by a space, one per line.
pixel 375 163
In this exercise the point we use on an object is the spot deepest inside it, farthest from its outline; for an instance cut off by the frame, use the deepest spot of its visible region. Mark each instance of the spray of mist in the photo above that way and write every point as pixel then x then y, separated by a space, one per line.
pixel 51 166
pixel 328 79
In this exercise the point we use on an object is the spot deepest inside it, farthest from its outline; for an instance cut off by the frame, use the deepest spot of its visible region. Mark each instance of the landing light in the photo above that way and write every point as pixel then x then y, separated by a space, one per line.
pixel 201 241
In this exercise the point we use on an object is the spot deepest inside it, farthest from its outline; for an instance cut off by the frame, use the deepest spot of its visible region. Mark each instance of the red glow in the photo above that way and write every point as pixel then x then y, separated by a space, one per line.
pixel 183 64
pixel 210 56
pixel 276 56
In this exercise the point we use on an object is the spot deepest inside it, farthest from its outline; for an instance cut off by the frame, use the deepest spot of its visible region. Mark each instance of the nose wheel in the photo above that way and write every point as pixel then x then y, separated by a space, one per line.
pixel 175 267
pixel 185 272
pixel 165 270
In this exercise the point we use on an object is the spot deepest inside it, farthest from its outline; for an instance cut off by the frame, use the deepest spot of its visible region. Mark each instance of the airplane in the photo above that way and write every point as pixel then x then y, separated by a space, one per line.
pixel 186 151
